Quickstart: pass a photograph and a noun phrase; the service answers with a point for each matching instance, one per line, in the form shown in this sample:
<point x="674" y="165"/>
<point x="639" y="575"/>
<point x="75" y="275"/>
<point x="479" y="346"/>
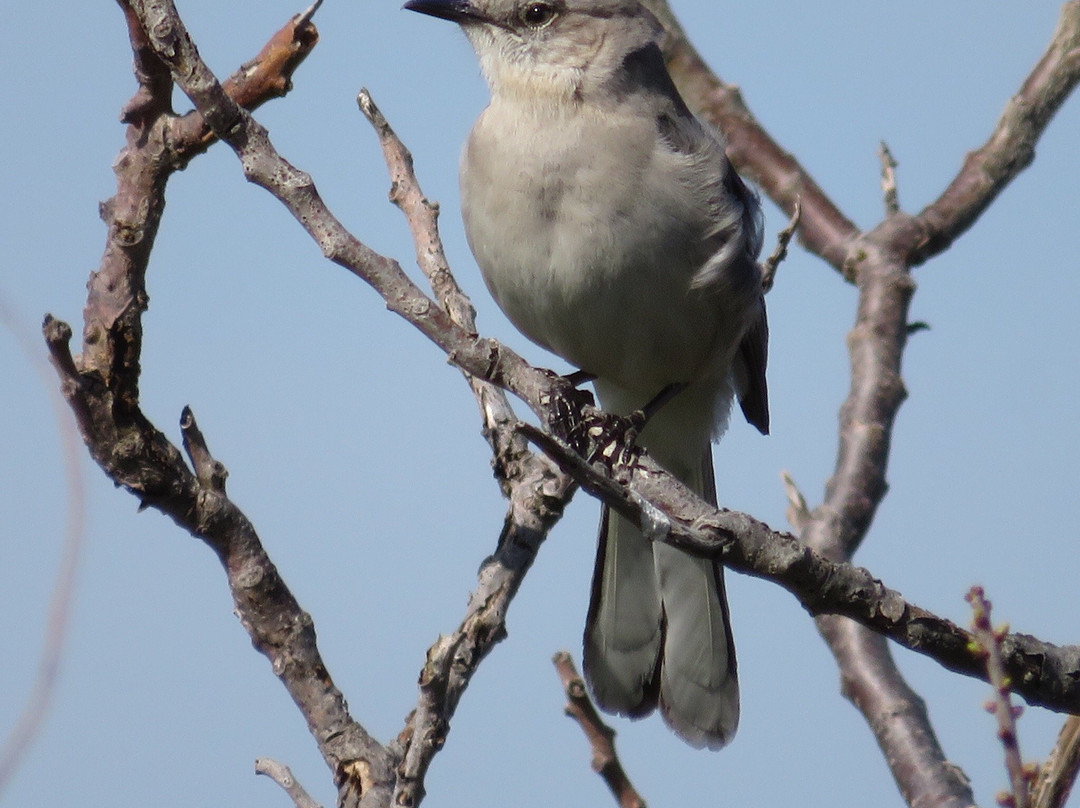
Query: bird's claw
<point x="568" y="411"/>
<point x="610" y="439"/>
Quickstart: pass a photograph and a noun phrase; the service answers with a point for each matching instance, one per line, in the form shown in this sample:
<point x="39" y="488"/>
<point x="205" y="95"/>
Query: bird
<point x="612" y="230"/>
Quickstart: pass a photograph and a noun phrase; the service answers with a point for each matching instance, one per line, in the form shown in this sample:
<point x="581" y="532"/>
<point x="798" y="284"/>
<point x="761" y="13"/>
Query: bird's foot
<point x="611" y="439"/>
<point x="592" y="433"/>
<point x="597" y="435"/>
<point x="569" y="408"/>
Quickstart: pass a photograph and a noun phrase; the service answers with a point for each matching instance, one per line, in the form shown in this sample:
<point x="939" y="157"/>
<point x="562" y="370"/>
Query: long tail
<point x="658" y="633"/>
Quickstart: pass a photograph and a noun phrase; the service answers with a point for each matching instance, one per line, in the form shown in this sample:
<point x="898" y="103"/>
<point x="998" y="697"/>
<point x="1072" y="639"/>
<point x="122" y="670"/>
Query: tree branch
<point x="741" y="541"/>
<point x="536" y="489"/>
<point x="1010" y="149"/>
<point x="896" y="714"/>
<point x="605" y="761"/>
<point x="101" y="386"/>
<point x="1058" y="774"/>
<point x="642" y="491"/>
<point x="889" y="190"/>
<point x="870" y="678"/>
<point x="783" y="239"/>
<point x="283" y="776"/>
<point x="986" y="642"/>
<point x="877" y="261"/>
<point x="879" y="264"/>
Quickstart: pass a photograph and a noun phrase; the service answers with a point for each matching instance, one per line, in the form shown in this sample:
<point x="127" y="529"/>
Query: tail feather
<point x="699" y="690"/>
<point x="658" y="630"/>
<point x="624" y="629"/>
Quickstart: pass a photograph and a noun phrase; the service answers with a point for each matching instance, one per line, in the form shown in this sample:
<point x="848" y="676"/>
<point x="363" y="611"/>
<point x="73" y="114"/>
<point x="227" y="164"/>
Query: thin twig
<point x="798" y="514"/>
<point x="986" y="642"/>
<point x="1058" y="774"/>
<point x="601" y="737"/>
<point x="210" y="473"/>
<point x="888" y="180"/>
<point x="283" y="776"/>
<point x="783" y="239"/>
<point x="304" y="17"/>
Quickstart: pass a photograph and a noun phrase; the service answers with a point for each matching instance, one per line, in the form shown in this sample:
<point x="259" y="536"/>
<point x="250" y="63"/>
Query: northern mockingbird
<point x="612" y="230"/>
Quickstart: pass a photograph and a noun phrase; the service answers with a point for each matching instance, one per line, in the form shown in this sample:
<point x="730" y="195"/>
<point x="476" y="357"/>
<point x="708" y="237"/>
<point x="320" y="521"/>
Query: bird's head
<point x="548" y="47"/>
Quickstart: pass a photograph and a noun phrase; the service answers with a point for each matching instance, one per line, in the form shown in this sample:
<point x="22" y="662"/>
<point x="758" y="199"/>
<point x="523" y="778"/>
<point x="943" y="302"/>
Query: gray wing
<point x="736" y="233"/>
<point x="750" y="363"/>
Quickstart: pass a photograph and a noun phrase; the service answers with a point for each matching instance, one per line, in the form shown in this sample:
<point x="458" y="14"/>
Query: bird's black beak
<point x="453" y="10"/>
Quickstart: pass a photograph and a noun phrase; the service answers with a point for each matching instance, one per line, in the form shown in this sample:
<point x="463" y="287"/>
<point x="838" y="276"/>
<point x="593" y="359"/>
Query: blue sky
<point x="354" y="447"/>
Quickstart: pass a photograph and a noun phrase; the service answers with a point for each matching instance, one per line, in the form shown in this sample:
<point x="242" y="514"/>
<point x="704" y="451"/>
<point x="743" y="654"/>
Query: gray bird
<point x="612" y="230"/>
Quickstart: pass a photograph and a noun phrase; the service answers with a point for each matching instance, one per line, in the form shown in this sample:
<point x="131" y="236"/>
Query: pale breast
<point x="590" y="248"/>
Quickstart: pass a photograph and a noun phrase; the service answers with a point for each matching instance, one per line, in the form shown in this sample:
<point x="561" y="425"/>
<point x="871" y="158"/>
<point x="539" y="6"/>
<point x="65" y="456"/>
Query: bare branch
<point x="263" y="166"/>
<point x="1058" y="774"/>
<point x="267" y="76"/>
<point x="137" y="456"/>
<point x="797" y="511"/>
<point x="1043" y="674"/>
<point x="210" y="473"/>
<point x="537" y="490"/>
<point x="878" y="262"/>
<point x="836" y="528"/>
<point x="875" y="261"/>
<point x="986" y="642"/>
<point x="605" y="760"/>
<point x="421" y="214"/>
<point x="888" y="180"/>
<point x="305" y="16"/>
<point x="988" y="170"/>
<point x="783" y="239"/>
<point x="538" y="496"/>
<point x="283" y="776"/>
<point x="893" y="711"/>
<point x="101" y="386"/>
<point x="740" y="540"/>
<point x="896" y="715"/>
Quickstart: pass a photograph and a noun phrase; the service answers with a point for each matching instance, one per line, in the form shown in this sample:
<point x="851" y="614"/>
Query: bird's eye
<point x="537" y="15"/>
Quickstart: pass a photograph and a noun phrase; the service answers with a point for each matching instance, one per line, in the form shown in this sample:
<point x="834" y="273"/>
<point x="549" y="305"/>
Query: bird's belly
<point x="577" y="253"/>
<point x="633" y="319"/>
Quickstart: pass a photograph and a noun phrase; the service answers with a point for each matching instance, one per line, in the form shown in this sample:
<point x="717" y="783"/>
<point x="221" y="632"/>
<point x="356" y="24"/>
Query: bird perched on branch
<point x="611" y="228"/>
